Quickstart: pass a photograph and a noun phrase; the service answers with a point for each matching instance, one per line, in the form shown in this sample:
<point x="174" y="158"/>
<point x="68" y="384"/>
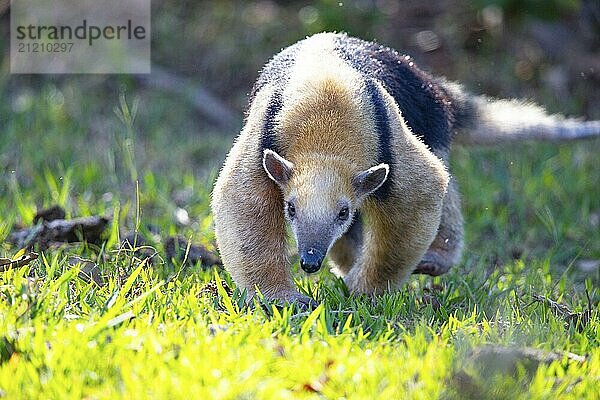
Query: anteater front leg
<point x="347" y="248"/>
<point x="250" y="227"/>
<point x="397" y="235"/>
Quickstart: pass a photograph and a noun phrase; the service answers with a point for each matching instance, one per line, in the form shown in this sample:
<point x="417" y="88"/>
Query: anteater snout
<point x="311" y="260"/>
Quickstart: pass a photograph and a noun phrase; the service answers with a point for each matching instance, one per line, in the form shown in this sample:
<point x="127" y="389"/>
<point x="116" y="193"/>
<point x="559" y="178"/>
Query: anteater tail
<point x="484" y="121"/>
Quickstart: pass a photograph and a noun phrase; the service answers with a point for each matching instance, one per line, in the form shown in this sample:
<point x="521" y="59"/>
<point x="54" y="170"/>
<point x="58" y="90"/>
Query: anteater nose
<point x="311" y="260"/>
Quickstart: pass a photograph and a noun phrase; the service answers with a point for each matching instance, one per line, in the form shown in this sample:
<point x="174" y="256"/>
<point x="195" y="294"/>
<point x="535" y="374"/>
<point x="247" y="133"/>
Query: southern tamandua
<point x="349" y="142"/>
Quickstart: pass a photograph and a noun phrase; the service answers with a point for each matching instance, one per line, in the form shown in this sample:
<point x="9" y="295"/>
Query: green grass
<point x="156" y="331"/>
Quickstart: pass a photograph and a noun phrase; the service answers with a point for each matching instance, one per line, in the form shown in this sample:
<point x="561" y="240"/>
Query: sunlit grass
<point x="156" y="331"/>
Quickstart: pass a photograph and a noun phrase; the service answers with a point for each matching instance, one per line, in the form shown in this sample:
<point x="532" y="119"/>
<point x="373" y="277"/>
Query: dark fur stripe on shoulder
<point x="426" y="106"/>
<point x="384" y="134"/>
<point x="267" y="139"/>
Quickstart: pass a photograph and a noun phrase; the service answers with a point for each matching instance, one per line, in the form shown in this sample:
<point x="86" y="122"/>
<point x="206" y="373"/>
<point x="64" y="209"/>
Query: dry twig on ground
<point x="7" y="263"/>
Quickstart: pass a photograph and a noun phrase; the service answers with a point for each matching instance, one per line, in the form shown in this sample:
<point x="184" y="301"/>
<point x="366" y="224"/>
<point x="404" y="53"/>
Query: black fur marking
<point x="426" y="107"/>
<point x="382" y="125"/>
<point x="276" y="72"/>
<point x="268" y="138"/>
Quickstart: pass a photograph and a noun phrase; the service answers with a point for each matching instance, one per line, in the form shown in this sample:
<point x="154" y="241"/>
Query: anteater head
<point x="321" y="195"/>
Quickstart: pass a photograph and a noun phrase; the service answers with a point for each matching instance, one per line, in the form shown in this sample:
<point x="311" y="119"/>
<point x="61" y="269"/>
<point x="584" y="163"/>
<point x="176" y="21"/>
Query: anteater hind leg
<point x="250" y="226"/>
<point x="446" y="248"/>
<point x="347" y="248"/>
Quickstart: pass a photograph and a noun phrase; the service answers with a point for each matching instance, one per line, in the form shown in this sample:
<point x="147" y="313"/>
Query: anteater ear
<point x="368" y="181"/>
<point x="278" y="168"/>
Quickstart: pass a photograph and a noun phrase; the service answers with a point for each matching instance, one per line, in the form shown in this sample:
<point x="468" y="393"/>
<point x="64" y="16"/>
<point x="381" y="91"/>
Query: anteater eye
<point x="291" y="210"/>
<point x="344" y="214"/>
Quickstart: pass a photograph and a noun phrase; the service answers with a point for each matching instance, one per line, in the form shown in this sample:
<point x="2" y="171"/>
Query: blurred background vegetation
<point x="547" y="51"/>
<point x="207" y="54"/>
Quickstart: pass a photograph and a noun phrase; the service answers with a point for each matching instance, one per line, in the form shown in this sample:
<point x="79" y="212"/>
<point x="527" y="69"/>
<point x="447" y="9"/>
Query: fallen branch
<point x="49" y="214"/>
<point x="577" y="319"/>
<point x="88" y="229"/>
<point x="555" y="307"/>
<point x="7" y="263"/>
<point x="178" y="248"/>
